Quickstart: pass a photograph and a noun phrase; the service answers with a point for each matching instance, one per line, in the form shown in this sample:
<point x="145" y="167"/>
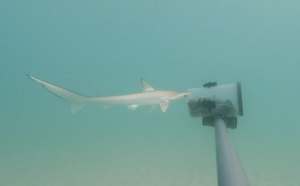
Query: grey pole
<point x="230" y="170"/>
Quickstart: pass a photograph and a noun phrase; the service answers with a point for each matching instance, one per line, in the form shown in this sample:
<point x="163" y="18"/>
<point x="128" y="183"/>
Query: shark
<point x="147" y="97"/>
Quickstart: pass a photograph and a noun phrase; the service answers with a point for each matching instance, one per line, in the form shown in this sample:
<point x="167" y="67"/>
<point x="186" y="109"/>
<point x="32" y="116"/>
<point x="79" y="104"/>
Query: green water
<point x="95" y="47"/>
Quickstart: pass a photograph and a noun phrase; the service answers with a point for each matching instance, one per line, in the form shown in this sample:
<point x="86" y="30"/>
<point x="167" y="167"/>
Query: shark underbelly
<point x="126" y="100"/>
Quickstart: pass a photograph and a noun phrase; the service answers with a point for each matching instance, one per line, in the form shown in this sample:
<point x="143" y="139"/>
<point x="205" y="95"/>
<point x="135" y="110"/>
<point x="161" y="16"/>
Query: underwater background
<point x="105" y="47"/>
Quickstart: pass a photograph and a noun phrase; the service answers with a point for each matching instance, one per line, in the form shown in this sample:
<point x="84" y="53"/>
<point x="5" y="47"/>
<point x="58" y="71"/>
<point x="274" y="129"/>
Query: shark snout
<point x="181" y="95"/>
<point x="188" y="93"/>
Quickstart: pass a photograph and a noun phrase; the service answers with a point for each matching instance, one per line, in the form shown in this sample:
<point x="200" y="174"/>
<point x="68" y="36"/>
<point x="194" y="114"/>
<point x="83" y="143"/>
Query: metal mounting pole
<point x="230" y="170"/>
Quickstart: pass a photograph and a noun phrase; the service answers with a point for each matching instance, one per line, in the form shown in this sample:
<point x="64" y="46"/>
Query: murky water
<point x="104" y="47"/>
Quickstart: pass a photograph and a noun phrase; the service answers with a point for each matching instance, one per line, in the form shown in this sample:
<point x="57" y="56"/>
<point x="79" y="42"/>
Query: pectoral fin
<point x="164" y="106"/>
<point x="153" y="108"/>
<point x="132" y="107"/>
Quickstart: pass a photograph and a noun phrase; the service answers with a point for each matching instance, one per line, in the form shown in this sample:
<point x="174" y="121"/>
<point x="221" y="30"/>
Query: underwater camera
<point x="216" y="100"/>
<point x="219" y="106"/>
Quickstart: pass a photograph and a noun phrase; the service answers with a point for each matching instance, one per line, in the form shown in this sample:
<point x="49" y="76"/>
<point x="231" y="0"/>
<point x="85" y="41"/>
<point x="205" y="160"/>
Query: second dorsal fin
<point x="146" y="86"/>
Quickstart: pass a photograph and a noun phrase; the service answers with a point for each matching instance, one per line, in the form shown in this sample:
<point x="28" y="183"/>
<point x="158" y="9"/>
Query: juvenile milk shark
<point x="148" y="96"/>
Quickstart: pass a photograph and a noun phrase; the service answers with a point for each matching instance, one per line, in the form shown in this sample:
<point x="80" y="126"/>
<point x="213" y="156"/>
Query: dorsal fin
<point x="146" y="86"/>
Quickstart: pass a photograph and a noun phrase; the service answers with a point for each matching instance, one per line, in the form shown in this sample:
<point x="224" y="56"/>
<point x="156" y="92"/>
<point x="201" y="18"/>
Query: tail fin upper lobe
<point x="77" y="100"/>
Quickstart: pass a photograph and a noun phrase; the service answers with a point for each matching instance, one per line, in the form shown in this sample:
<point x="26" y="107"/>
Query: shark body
<point x="148" y="96"/>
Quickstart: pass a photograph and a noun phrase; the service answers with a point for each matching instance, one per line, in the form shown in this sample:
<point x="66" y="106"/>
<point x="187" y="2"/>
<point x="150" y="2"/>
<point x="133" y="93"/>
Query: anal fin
<point x="132" y="107"/>
<point x="106" y="106"/>
<point x="76" y="106"/>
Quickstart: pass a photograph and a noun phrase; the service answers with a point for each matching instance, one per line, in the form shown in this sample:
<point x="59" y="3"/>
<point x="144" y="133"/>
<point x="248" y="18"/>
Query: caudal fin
<point x="77" y="100"/>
